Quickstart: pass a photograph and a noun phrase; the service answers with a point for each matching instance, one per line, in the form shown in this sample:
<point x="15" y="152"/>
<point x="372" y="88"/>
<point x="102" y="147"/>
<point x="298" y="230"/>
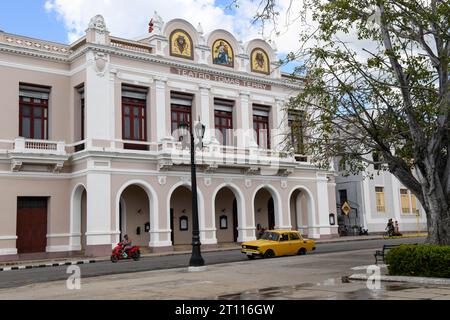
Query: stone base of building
<point x="39" y="256"/>
<point x="328" y="236"/>
<point x="98" y="250"/>
<point x="161" y="249"/>
<point x="9" y="258"/>
<point x="210" y="246"/>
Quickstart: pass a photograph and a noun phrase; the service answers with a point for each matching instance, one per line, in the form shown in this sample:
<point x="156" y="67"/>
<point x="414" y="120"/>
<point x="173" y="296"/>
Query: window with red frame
<point x="261" y="127"/>
<point x="223" y="121"/>
<point x="33" y="113"/>
<point x="181" y="112"/>
<point x="134" y="118"/>
<point x="82" y="115"/>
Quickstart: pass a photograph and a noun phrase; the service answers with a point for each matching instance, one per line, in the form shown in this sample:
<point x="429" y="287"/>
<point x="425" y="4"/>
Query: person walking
<point x="396" y="229"/>
<point x="390" y="228"/>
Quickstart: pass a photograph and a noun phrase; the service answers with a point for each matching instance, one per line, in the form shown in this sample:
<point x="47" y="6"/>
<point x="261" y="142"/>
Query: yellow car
<point x="278" y="243"/>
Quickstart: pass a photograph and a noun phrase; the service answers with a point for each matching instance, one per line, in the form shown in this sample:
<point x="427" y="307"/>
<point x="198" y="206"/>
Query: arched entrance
<point x="301" y="210"/>
<point x="226" y="216"/>
<point x="181" y="215"/>
<point x="134" y="215"/>
<point x="78" y="218"/>
<point x="264" y="210"/>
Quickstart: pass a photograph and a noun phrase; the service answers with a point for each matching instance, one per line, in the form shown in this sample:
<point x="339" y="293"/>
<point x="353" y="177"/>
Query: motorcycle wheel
<point x="114" y="258"/>
<point x="136" y="256"/>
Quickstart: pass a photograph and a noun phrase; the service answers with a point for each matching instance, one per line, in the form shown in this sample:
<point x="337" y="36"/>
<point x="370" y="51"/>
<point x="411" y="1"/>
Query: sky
<point x="65" y="21"/>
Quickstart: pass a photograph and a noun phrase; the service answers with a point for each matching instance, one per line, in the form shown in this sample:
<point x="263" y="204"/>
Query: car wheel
<point x="251" y="257"/>
<point x="269" y="254"/>
<point x="301" y="252"/>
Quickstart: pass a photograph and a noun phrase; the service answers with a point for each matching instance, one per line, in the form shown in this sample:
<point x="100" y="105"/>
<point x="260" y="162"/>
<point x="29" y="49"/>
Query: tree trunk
<point x="438" y="214"/>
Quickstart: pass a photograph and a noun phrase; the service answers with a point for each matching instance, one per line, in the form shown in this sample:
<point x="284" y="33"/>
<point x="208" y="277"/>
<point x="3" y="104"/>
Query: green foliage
<point x="385" y="91"/>
<point x="419" y="260"/>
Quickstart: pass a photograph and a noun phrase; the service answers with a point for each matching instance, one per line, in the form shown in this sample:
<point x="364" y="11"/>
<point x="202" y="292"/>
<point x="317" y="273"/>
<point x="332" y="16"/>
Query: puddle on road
<point x="265" y="293"/>
<point x="325" y="287"/>
<point x="272" y="292"/>
<point x="396" y="287"/>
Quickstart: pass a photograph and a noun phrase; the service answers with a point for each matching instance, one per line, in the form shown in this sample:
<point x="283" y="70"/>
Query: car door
<point x="295" y="241"/>
<point x="283" y="245"/>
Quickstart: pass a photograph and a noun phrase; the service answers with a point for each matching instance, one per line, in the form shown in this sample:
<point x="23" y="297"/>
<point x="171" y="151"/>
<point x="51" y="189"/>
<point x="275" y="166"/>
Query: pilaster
<point x="98" y="227"/>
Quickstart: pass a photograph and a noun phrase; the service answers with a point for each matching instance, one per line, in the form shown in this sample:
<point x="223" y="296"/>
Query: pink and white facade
<point x="87" y="148"/>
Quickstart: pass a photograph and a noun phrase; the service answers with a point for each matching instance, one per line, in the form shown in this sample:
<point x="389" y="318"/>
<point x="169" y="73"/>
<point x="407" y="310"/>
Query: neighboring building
<point x="374" y="201"/>
<point x="87" y="149"/>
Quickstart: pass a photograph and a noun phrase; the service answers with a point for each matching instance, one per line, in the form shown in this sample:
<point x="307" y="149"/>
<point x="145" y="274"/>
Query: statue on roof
<point x="98" y="23"/>
<point x="158" y="23"/>
<point x="201" y="34"/>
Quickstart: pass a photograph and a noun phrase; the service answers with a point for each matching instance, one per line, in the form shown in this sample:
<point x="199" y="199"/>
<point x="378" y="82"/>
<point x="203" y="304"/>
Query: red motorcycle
<point x="132" y="253"/>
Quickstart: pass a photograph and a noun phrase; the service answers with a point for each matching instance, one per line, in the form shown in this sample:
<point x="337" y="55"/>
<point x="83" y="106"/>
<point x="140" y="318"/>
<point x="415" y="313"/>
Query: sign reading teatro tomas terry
<point x="218" y="78"/>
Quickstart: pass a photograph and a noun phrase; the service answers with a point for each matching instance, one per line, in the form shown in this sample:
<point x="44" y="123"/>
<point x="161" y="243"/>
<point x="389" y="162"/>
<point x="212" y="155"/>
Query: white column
<point x="323" y="210"/>
<point x="112" y="102"/>
<point x="245" y="138"/>
<point x="161" y="129"/>
<point x="99" y="93"/>
<point x="205" y="114"/>
<point x="99" y="229"/>
<point x="363" y="213"/>
<point x="281" y="129"/>
<point x="159" y="234"/>
<point x="395" y="184"/>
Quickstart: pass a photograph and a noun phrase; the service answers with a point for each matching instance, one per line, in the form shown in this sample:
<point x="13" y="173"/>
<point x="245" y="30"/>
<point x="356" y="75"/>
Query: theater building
<point x="89" y="147"/>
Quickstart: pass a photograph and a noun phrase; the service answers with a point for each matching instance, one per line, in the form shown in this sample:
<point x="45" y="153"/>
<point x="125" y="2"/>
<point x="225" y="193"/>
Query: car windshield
<point x="270" y="236"/>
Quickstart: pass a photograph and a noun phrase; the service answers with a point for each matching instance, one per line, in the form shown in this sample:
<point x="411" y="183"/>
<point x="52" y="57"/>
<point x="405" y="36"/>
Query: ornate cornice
<point x="82" y="50"/>
<point x="34" y="53"/>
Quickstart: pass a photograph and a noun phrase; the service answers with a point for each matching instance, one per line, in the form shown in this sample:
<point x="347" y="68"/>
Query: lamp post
<point x="185" y="130"/>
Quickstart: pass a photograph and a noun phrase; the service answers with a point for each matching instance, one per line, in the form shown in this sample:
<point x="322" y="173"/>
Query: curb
<point x="417" y="280"/>
<point x="46" y="265"/>
<point x="175" y="253"/>
<point x="347" y="240"/>
<point x="370" y="238"/>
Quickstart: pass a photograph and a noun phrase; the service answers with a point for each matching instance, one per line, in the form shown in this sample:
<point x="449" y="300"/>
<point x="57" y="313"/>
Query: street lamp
<point x="196" y="257"/>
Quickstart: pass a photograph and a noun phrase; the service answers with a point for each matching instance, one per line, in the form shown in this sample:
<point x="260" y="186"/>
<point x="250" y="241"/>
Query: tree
<point x="391" y="98"/>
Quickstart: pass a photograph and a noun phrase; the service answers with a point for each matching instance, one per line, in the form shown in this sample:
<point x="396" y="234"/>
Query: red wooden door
<point x="31" y="225"/>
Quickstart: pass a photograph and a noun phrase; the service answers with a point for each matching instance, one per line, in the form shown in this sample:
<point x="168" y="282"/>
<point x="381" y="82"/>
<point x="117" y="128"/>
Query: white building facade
<point x="89" y="148"/>
<point x="375" y="200"/>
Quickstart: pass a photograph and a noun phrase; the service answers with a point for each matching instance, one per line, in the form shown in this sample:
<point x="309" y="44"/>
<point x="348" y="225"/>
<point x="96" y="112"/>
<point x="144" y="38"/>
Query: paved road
<point x="17" y="278"/>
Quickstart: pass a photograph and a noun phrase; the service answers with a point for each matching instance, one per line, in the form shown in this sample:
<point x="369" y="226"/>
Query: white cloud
<point x="129" y="19"/>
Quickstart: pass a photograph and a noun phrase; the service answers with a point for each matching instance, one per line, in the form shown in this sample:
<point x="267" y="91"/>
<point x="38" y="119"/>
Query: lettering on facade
<point x="217" y="78"/>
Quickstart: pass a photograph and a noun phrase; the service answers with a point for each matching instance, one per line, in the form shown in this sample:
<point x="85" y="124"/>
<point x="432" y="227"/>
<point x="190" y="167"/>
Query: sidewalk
<point x="20" y="265"/>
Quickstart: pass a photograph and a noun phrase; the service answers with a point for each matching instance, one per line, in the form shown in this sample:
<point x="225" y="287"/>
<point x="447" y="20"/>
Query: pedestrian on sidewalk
<point x="396" y="229"/>
<point x="390" y="229"/>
